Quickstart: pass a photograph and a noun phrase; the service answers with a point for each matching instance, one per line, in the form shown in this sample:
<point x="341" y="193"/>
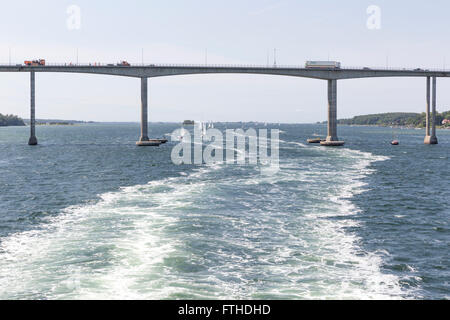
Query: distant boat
<point x="202" y="127"/>
<point x="315" y="140"/>
<point x="182" y="134"/>
<point x="188" y="122"/>
<point x="395" y="141"/>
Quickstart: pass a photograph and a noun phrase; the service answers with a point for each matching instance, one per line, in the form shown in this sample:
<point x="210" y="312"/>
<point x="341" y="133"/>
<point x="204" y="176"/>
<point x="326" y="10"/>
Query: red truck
<point x="124" y="64"/>
<point x="34" y="63"/>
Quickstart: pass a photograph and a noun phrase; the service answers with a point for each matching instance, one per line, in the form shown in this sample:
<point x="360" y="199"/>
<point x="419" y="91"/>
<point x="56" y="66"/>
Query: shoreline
<point x="393" y="127"/>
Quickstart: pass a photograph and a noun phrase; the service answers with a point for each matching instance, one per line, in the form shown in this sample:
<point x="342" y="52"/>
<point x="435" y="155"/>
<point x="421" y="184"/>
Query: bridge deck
<point x="172" y="70"/>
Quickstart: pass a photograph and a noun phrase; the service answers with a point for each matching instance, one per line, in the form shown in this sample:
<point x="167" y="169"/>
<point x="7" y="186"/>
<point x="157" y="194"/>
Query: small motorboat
<point x="315" y="140"/>
<point x="395" y="141"/>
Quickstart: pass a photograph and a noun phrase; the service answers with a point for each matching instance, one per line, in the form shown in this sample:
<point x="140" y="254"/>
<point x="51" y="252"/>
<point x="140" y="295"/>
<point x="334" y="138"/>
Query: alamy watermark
<point x="374" y="20"/>
<point x="235" y="146"/>
<point x="73" y="21"/>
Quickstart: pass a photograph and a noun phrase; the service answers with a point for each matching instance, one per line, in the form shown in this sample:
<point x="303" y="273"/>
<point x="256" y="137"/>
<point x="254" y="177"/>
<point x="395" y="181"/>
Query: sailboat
<point x="182" y="134"/>
<point x="203" y="129"/>
<point x="395" y="141"/>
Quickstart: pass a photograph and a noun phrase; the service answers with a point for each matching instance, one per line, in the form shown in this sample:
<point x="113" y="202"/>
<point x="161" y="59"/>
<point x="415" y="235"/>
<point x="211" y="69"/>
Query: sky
<point x="411" y="34"/>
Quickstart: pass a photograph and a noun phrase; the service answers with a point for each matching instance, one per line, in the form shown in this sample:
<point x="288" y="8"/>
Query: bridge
<point x="151" y="71"/>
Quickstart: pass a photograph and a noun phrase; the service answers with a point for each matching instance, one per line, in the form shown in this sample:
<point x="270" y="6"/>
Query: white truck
<point x="322" y="65"/>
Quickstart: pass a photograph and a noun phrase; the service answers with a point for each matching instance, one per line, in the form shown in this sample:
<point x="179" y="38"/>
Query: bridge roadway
<point x="150" y="71"/>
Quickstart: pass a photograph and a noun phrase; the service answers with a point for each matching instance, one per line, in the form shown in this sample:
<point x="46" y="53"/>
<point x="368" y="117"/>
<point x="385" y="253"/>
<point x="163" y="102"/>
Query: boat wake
<point x="217" y="232"/>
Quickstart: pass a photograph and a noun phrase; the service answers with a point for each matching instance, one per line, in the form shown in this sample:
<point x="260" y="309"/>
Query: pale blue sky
<point x="413" y="34"/>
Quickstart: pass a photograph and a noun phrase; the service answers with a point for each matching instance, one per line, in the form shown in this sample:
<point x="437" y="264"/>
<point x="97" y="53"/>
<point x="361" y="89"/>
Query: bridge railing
<point x="237" y="66"/>
<point x="395" y="68"/>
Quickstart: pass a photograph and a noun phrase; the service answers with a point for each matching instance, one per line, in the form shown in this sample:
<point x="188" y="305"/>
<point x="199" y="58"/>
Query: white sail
<point x="182" y="134"/>
<point x="203" y="129"/>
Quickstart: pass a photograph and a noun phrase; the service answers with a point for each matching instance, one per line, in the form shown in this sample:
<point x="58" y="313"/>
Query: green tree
<point x="10" y="120"/>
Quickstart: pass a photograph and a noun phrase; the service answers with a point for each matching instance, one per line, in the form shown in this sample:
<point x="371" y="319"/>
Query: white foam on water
<point x="330" y="264"/>
<point x="361" y="278"/>
<point x="129" y="245"/>
<point x="298" y="144"/>
<point x="97" y="251"/>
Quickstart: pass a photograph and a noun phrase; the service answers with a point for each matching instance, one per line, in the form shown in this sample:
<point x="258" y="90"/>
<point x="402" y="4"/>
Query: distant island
<point x="55" y="122"/>
<point x="10" y="120"/>
<point x="397" y="119"/>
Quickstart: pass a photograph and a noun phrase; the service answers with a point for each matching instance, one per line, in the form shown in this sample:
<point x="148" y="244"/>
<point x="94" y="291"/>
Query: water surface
<point x="87" y="214"/>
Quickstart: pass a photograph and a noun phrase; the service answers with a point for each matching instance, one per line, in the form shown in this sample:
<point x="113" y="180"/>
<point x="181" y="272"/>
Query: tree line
<point x="395" y="119"/>
<point x="10" y="120"/>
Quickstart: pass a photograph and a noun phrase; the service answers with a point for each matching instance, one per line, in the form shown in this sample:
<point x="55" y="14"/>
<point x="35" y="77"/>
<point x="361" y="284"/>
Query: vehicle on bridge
<point x="124" y="64"/>
<point x="323" y="65"/>
<point x="34" y="63"/>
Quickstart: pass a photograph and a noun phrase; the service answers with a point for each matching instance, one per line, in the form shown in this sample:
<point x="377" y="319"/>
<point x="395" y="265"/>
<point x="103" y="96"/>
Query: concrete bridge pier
<point x="144" y="139"/>
<point x="332" y="139"/>
<point x="427" y="130"/>
<point x="33" y="140"/>
<point x="431" y="139"/>
<point x="144" y="110"/>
